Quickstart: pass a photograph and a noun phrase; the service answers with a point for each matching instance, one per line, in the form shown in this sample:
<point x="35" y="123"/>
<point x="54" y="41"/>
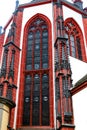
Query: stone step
<point x="29" y="128"/>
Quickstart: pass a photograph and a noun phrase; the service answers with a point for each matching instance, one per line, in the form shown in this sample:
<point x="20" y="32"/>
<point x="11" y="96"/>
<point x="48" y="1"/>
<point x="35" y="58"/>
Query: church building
<point x="43" y="53"/>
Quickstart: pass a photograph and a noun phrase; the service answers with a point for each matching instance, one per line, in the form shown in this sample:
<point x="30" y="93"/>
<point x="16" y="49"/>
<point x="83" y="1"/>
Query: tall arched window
<point x="73" y="34"/>
<point x="36" y="89"/>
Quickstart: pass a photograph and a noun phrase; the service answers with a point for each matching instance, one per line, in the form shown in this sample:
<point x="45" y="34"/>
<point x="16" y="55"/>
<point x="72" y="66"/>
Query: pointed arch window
<point x="36" y="89"/>
<point x="74" y="39"/>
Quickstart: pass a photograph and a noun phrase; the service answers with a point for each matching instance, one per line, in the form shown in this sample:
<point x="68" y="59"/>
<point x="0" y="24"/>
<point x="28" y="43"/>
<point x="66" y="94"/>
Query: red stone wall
<point x="17" y="18"/>
<point x="85" y="30"/>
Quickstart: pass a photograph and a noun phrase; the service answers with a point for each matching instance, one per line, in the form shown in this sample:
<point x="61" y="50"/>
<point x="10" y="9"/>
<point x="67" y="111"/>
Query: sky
<point x="7" y="7"/>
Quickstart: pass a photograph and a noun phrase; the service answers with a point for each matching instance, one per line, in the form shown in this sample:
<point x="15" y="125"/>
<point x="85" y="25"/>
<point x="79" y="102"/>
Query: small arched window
<point x="74" y="39"/>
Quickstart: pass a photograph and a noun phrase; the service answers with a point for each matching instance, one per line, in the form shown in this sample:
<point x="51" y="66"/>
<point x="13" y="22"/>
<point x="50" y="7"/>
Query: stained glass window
<point x="73" y="42"/>
<point x="36" y="89"/>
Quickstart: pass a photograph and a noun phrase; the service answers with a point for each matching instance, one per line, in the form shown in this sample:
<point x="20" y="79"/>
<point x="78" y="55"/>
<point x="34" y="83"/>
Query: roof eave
<point x="73" y="7"/>
<point x="80" y="85"/>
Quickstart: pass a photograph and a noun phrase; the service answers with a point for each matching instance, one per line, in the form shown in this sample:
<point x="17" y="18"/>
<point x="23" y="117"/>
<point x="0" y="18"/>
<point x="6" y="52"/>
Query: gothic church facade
<point x="36" y="75"/>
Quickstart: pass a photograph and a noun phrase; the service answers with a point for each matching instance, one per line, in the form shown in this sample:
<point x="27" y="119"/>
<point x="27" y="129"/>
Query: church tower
<point x="36" y="75"/>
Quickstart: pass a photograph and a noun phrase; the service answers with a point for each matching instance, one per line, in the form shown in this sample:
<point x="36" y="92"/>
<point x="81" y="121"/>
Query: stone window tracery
<point x="74" y="37"/>
<point x="36" y="89"/>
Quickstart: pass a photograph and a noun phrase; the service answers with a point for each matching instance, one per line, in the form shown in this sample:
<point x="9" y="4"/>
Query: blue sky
<point x="7" y="7"/>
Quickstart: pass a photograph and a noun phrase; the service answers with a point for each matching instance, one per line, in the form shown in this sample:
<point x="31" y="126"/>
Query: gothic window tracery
<point x="36" y="89"/>
<point x="74" y="39"/>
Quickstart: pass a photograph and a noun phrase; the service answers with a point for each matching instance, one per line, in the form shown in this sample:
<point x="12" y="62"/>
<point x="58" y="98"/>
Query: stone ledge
<point x="7" y="102"/>
<point x="29" y="128"/>
<point x="66" y="126"/>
